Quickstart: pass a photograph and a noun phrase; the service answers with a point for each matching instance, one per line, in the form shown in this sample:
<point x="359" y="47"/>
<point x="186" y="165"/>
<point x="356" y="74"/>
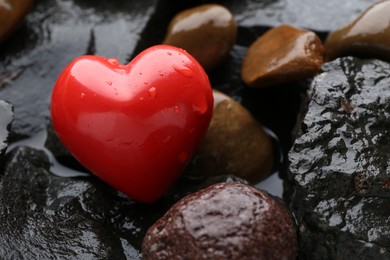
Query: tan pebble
<point x="12" y="13"/>
<point x="207" y="32"/>
<point x="282" y="54"/>
<point x="367" y="36"/>
<point x="235" y="144"/>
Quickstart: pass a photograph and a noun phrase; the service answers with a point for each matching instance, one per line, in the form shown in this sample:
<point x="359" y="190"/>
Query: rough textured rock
<point x="224" y="221"/>
<point x="72" y="218"/>
<point x="235" y="144"/>
<point x="207" y="32"/>
<point x="283" y="54"/>
<point x="6" y="117"/>
<point x="340" y="166"/>
<point x="366" y="36"/>
<point x="12" y="13"/>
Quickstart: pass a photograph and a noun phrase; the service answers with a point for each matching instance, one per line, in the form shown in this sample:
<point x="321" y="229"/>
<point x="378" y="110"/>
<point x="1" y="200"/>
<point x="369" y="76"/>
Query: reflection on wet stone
<point x="6" y="117"/>
<point x="340" y="163"/>
<point x="366" y="36"/>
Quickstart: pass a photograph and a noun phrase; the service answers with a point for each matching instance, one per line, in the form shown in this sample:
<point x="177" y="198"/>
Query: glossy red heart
<point x="134" y="126"/>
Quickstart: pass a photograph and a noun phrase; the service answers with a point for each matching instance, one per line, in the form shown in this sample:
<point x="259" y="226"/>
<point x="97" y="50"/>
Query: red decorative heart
<point x="134" y="126"/>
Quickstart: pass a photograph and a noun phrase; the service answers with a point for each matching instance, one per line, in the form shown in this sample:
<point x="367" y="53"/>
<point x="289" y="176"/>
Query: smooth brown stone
<point x="368" y="36"/>
<point x="12" y="13"/>
<point x="228" y="220"/>
<point x="235" y="144"/>
<point x="282" y="54"/>
<point x="207" y="32"/>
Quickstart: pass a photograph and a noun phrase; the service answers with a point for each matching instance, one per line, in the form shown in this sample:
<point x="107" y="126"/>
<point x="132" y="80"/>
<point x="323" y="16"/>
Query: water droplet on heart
<point x="183" y="70"/>
<point x="183" y="156"/>
<point x="167" y="139"/>
<point x="140" y="73"/>
<point x="176" y="109"/>
<point x="109" y="83"/>
<point x="152" y="92"/>
<point x="161" y="74"/>
<point x="169" y="53"/>
<point x="113" y="61"/>
<point x="142" y="98"/>
<point x="199" y="105"/>
<point x="82" y="95"/>
<point x="146" y="83"/>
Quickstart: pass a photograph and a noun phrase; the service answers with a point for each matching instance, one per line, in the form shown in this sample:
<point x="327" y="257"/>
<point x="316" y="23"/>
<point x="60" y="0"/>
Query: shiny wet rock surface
<point x="226" y="221"/>
<point x="6" y="117"/>
<point x="366" y="36"/>
<point x="340" y="163"/>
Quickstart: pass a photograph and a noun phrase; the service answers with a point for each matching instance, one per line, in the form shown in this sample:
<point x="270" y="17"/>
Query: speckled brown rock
<point x="282" y="54"/>
<point x="12" y="13"/>
<point x="367" y="36"/>
<point x="228" y="220"/>
<point x="207" y="32"/>
<point x="235" y="144"/>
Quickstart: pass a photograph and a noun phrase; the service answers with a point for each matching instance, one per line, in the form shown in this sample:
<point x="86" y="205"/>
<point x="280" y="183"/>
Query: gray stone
<point x="340" y="163"/>
<point x="6" y="117"/>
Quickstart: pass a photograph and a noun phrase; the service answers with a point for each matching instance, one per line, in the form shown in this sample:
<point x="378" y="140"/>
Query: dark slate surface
<point x="340" y="163"/>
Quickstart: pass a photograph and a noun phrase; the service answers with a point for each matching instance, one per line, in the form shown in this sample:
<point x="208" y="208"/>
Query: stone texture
<point x="235" y="144"/>
<point x="6" y="117"/>
<point x="283" y="54"/>
<point x="12" y="13"/>
<point x="207" y="32"/>
<point x="367" y="36"/>
<point x="340" y="166"/>
<point x="316" y="16"/>
<point x="43" y="216"/>
<point x="224" y="221"/>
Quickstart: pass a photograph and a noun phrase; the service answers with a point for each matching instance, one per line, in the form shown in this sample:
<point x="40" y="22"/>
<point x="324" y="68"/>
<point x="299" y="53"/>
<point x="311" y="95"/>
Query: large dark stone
<point x="6" y="117"/>
<point x="340" y="163"/>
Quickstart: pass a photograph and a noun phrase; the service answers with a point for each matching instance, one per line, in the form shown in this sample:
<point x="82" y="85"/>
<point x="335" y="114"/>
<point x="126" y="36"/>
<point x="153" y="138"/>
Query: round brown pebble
<point x="12" y="13"/>
<point x="228" y="220"/>
<point x="282" y="54"/>
<point x="235" y="144"/>
<point x="367" y="36"/>
<point x="207" y="32"/>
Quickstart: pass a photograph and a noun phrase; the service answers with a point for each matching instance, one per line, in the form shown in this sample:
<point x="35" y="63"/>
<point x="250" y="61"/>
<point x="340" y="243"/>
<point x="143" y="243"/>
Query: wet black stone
<point x="6" y="117"/>
<point x="43" y="216"/>
<point x="340" y="163"/>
